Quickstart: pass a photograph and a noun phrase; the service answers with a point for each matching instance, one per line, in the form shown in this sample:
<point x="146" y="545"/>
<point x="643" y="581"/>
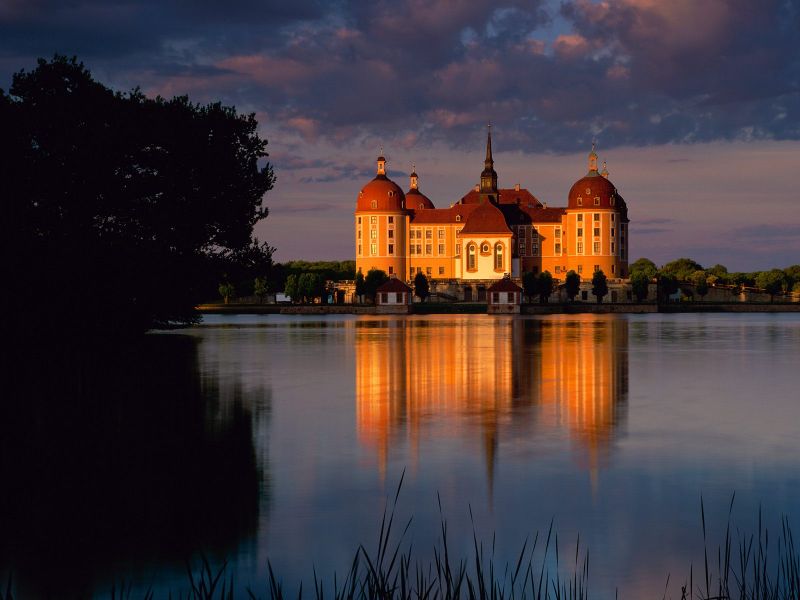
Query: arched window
<point x="374" y="204"/>
<point x="498" y="257"/>
<point x="471" y="257"/>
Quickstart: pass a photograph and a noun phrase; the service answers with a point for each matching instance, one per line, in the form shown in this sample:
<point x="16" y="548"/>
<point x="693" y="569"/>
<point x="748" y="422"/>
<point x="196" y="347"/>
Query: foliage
<point x="599" y="285"/>
<point x="291" y="288"/>
<point x="227" y="291"/>
<point x="122" y="202"/>
<point x="700" y="280"/>
<point x="361" y="287"/>
<point x="682" y="268"/>
<point x="645" y="266"/>
<point x="310" y="286"/>
<point x="640" y="283"/>
<point x="328" y="270"/>
<point x="530" y="285"/>
<point x="771" y="282"/>
<point x="544" y="286"/>
<point x="572" y="285"/>
<point x="667" y="285"/>
<point x="719" y="271"/>
<point x="375" y="278"/>
<point x="421" y="286"/>
<point x="261" y="287"/>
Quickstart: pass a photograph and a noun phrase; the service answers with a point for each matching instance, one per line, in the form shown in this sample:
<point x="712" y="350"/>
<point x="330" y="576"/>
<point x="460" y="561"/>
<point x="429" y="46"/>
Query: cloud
<point x="649" y="230"/>
<point x="655" y="221"/>
<point x="770" y="232"/>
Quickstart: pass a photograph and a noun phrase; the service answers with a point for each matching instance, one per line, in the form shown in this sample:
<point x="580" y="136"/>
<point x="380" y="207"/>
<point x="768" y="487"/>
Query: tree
<point x="375" y="278"/>
<point x="291" y="288"/>
<point x="261" y="288"/>
<point x="599" y="285"/>
<point x="361" y="287"/>
<point x="771" y="282"/>
<point x="682" y="268"/>
<point x="645" y="266"/>
<point x="667" y="286"/>
<point x="227" y="291"/>
<point x="310" y="286"/>
<point x="640" y="283"/>
<point x="530" y="285"/>
<point x="572" y="284"/>
<point x="700" y="280"/>
<point x="421" y="286"/>
<point x="120" y="201"/>
<point x="544" y="286"/>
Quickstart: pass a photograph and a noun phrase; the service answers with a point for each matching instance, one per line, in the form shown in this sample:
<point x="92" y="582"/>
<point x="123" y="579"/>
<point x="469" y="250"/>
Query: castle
<point x="491" y="232"/>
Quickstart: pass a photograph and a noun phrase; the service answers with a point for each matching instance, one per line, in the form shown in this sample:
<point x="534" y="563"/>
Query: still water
<point x="279" y="438"/>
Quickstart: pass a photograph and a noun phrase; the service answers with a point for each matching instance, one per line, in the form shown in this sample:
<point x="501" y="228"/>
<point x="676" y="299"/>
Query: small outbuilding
<point x="394" y="297"/>
<point x="504" y="297"/>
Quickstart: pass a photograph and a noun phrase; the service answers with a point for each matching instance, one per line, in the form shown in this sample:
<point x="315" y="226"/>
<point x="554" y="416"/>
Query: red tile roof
<point x="486" y="218"/>
<point x="504" y="285"/>
<point x="506" y="196"/>
<point x="443" y="215"/>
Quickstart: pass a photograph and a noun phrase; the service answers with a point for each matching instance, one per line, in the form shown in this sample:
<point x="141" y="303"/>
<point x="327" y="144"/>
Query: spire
<point x="593" y="158"/>
<point x="381" y="164"/>
<point x="414" y="178"/>
<point x="604" y="172"/>
<point x="489" y="162"/>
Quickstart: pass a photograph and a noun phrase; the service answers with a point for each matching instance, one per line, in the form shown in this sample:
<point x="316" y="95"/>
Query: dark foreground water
<point x="279" y="438"/>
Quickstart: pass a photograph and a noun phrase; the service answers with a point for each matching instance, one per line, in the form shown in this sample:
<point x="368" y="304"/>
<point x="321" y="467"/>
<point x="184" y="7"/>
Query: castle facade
<point x="491" y="232"/>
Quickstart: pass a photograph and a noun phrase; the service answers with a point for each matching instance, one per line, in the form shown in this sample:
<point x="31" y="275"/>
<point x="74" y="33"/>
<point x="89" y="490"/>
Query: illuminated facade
<point x="491" y="231"/>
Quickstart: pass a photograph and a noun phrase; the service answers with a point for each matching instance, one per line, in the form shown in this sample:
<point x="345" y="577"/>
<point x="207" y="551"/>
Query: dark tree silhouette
<point x="599" y="285"/>
<point x="421" y="287"/>
<point x="530" y="285"/>
<point x="121" y="202"/>
<point x="572" y="285"/>
<point x="544" y="286"/>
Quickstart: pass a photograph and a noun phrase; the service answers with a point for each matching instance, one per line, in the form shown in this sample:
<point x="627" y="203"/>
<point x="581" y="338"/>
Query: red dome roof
<point x="590" y="187"/>
<point x="417" y="200"/>
<point x="381" y="194"/>
<point x="487" y="218"/>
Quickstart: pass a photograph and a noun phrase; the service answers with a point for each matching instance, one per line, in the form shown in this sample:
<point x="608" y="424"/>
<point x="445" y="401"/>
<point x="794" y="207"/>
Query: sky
<point x="695" y="105"/>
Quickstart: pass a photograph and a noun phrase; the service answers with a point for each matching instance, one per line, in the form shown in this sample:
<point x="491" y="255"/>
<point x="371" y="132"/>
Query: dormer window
<point x="391" y="194"/>
<point x="597" y="200"/>
<point x="458" y="217"/>
<point x="580" y="201"/>
<point x="374" y="204"/>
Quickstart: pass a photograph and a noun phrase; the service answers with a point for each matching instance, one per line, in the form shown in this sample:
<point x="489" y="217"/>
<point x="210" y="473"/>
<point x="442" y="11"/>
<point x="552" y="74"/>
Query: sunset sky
<point x="694" y="104"/>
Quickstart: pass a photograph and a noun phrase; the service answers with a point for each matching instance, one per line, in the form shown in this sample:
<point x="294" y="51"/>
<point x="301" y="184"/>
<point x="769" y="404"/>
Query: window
<point x="597" y="200"/>
<point x="498" y="257"/>
<point x="399" y="296"/>
<point x="580" y="247"/>
<point x="584" y="295"/>
<point x="373" y="220"/>
<point x="359" y="249"/>
<point x="373" y="234"/>
<point x="384" y="298"/>
<point x="428" y="271"/>
<point x="391" y="234"/>
<point x="580" y="201"/>
<point x="458" y="249"/>
<point x="359" y="220"/>
<point x="596" y="268"/>
<point x="613" y="231"/>
<point x="580" y="269"/>
<point x="558" y="234"/>
<point x="428" y="234"/>
<point x="596" y="232"/>
<point x="419" y="269"/>
<point x="440" y="233"/>
<point x="441" y="270"/>
<point x="391" y="248"/>
<point x="613" y="200"/>
<point x="411" y="249"/>
<point x="495" y="297"/>
<point x="580" y="218"/>
<point x="558" y="270"/>
<point x="612" y="247"/>
<point x="458" y="217"/>
<point x="596" y="247"/>
<point x="373" y="204"/>
<point x="580" y="231"/>
<point x="391" y="219"/>
<point x="511" y="297"/>
<point x="613" y="217"/>
<point x="373" y="249"/>
<point x="428" y="248"/>
<point x="471" y="257"/>
<point x="441" y="249"/>
<point x="359" y="234"/>
<point x="558" y="248"/>
<point x="596" y="216"/>
<point x="613" y="269"/>
<point x="485" y="248"/>
<point x="419" y="249"/>
<point x="522" y="247"/>
<point x="391" y="269"/>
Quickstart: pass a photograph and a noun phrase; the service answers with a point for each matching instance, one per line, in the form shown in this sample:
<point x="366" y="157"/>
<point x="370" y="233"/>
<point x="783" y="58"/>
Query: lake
<point x="280" y="438"/>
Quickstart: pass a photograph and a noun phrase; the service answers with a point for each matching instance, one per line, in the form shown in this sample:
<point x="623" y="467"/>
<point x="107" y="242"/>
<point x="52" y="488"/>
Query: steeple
<point x="488" y="188"/>
<point x="381" y="164"/>
<point x="414" y="178"/>
<point x="593" y="160"/>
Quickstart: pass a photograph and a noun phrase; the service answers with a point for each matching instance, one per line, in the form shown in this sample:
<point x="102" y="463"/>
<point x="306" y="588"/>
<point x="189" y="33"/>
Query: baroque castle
<point x="491" y="232"/>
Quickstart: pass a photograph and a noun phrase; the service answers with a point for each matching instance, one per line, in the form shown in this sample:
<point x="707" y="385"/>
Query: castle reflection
<point x="489" y="380"/>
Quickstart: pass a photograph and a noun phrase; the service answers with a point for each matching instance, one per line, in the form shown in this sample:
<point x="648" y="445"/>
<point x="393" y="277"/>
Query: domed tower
<point x="381" y="225"/>
<point x="597" y="225"/>
<point x="416" y="200"/>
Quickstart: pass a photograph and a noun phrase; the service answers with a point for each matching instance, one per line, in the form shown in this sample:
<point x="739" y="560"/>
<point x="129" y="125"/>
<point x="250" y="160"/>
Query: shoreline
<point x="480" y="308"/>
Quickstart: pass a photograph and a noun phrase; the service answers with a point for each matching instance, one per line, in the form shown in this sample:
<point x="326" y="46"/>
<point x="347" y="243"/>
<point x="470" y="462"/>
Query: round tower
<point x="381" y="225"/>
